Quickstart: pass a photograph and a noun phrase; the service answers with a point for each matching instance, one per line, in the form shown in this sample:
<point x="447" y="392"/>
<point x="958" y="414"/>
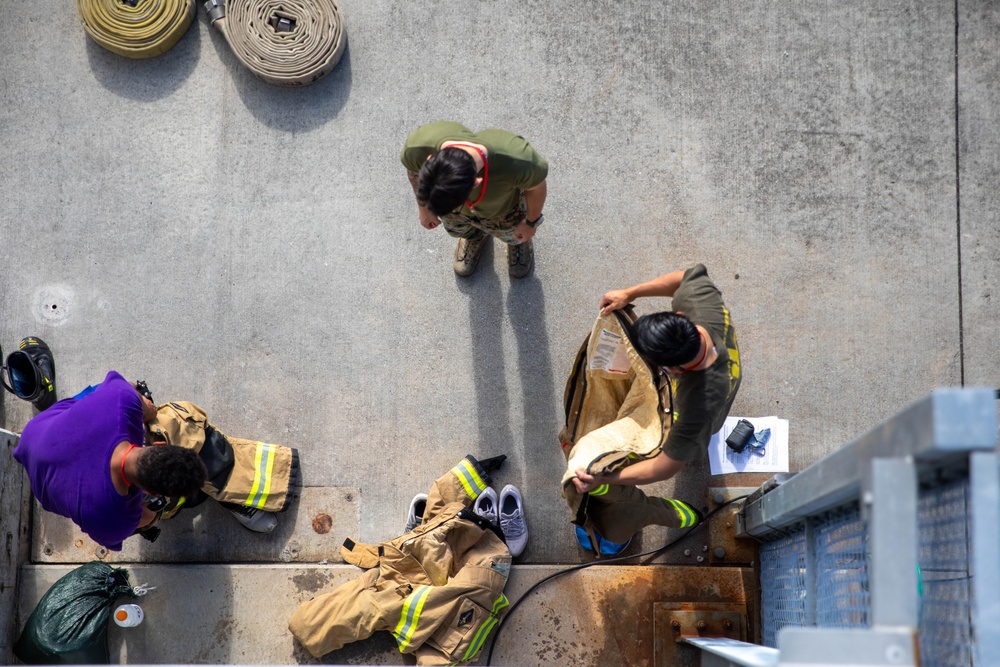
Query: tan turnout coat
<point x="618" y="412"/>
<point x="438" y="589"/>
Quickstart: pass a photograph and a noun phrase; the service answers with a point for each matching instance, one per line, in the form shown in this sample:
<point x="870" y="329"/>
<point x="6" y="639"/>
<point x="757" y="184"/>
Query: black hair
<point x="169" y="470"/>
<point x="446" y="180"/>
<point x="666" y="339"/>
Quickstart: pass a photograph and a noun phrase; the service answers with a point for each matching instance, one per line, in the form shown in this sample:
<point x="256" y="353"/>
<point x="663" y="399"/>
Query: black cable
<point x="604" y="561"/>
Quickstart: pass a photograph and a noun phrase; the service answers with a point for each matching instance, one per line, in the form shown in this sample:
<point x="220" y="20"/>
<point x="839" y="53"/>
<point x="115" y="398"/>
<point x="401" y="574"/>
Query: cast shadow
<point x="288" y="108"/>
<point x="147" y="79"/>
<point x="526" y="310"/>
<point x="486" y="325"/>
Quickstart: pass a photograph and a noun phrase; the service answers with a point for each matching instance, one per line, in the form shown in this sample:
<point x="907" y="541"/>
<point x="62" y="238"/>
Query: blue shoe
<point x="609" y="548"/>
<point x="583" y="538"/>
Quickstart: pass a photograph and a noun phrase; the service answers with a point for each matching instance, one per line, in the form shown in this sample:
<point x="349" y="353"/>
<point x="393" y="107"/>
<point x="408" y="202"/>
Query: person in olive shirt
<point x="695" y="345"/>
<point x="478" y="185"/>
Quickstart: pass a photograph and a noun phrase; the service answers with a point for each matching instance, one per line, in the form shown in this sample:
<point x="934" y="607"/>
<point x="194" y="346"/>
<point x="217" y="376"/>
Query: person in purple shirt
<point x="84" y="461"/>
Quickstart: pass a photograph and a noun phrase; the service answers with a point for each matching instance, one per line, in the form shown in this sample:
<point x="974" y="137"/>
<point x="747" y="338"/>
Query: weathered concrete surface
<point x="256" y="250"/>
<point x="310" y="531"/>
<point x="600" y="616"/>
<point x="979" y="172"/>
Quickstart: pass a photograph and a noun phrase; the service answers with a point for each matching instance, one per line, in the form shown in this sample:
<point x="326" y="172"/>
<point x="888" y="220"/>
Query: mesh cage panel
<point x="782" y="584"/>
<point x="841" y="570"/>
<point x="946" y="600"/>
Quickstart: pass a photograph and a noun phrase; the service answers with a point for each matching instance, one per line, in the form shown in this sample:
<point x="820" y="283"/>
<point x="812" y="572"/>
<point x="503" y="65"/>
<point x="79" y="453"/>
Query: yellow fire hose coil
<point x="136" y="28"/>
<point x="284" y="42"/>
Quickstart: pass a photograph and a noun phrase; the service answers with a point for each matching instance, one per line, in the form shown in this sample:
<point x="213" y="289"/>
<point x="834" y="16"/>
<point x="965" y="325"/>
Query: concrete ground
<point x="256" y="250"/>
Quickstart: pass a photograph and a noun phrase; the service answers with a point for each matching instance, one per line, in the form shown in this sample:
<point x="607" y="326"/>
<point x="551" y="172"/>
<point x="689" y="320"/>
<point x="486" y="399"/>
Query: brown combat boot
<point x="467" y="254"/>
<point x="519" y="259"/>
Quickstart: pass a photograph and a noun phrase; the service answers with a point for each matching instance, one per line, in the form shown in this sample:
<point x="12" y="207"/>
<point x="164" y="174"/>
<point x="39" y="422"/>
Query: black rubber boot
<point x="492" y="464"/>
<point x="42" y="375"/>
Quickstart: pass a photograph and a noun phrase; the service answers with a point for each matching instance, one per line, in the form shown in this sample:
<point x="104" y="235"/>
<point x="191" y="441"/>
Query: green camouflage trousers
<point x="473" y="227"/>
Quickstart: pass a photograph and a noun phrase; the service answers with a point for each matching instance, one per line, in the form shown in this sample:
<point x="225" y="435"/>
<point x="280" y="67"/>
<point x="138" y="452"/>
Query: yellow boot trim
<point x="688" y="517"/>
<point x="263" y="469"/>
<point x="470" y="479"/>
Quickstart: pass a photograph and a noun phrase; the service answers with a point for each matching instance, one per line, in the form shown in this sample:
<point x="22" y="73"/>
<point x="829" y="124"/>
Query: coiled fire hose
<point x="284" y="42"/>
<point x="136" y="28"/>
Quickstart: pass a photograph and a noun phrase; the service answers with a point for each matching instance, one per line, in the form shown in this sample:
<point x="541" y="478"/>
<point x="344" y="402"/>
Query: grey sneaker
<point x="467" y="254"/>
<point x="512" y="523"/>
<point x="520" y="257"/>
<point x="486" y="505"/>
<point x="254" y="519"/>
<point x="415" y="516"/>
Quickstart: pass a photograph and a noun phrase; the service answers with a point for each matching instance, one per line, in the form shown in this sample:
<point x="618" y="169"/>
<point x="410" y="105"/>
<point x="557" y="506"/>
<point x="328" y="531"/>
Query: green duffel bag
<point x="70" y="623"/>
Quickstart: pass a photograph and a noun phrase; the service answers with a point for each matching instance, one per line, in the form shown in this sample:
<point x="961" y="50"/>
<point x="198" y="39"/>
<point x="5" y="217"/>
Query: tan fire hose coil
<point x="284" y="42"/>
<point x="147" y="29"/>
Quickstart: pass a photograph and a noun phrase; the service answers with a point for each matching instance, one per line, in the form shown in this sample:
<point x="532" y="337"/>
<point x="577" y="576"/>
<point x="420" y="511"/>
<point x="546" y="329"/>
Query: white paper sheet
<point x="775" y="455"/>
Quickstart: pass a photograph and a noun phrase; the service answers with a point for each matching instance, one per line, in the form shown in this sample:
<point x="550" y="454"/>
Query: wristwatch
<point x="534" y="224"/>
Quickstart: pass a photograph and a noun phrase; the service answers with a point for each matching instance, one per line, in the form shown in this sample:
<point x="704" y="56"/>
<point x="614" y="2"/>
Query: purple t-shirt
<point x="67" y="449"/>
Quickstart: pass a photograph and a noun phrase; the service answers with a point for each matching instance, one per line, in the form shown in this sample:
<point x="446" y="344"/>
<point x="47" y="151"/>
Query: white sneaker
<point x="254" y="519"/>
<point x="512" y="523"/>
<point x="486" y="505"/>
<point x="416" y="514"/>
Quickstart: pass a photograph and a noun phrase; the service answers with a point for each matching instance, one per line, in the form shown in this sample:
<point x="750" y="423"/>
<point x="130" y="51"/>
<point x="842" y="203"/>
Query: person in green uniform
<point x="478" y="185"/>
<point x="695" y="345"/>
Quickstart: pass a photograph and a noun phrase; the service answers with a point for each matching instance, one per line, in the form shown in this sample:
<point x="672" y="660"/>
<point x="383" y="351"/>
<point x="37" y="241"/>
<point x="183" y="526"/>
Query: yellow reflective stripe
<point x="734" y="353"/>
<point x="600" y="491"/>
<point x="256" y="477"/>
<point x="485" y="628"/>
<point x="688" y="517"/>
<point x="674" y="416"/>
<point x="263" y="469"/>
<point x="410" y="616"/>
<point x="470" y="479"/>
<point x="269" y="474"/>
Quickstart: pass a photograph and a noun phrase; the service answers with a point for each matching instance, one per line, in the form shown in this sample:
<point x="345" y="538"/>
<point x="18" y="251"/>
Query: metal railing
<point x="886" y="552"/>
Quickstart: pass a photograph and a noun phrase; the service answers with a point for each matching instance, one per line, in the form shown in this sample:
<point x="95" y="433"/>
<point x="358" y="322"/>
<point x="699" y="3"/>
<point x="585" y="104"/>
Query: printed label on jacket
<point x="610" y="354"/>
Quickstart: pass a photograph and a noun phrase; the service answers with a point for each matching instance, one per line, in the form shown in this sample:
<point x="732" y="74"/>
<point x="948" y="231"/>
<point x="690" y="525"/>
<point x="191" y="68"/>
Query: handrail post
<point x="890" y="503"/>
<point x="984" y="478"/>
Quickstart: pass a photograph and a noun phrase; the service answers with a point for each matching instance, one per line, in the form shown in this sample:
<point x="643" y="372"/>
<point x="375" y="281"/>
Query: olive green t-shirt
<point x="702" y="399"/>
<point x="514" y="165"/>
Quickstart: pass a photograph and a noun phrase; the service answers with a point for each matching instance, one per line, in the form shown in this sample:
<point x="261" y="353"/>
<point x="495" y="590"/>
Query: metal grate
<point x="841" y="570"/>
<point x="946" y="609"/>
<point x="783" y="584"/>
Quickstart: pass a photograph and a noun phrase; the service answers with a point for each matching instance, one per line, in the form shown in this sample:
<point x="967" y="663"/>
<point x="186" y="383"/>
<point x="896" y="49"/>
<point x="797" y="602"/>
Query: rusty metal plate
<point x="674" y="621"/>
<point x="604" y="616"/>
<point x="310" y="531"/>
<point x="722" y="545"/>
